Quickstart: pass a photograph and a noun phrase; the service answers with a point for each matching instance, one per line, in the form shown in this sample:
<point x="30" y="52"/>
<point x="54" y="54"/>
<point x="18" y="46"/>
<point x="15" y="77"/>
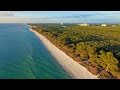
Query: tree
<point x="82" y="50"/>
<point x="108" y="61"/>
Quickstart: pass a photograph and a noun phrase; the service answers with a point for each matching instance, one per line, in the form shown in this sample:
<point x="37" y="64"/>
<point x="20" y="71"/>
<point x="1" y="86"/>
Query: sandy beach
<point x="75" y="69"/>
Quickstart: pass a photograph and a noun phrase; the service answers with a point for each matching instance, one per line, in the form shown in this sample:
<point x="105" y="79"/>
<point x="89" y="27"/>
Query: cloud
<point x="59" y="16"/>
<point x="6" y="13"/>
<point x="74" y="15"/>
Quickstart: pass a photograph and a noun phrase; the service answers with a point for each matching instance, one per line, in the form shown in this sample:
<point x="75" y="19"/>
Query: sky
<point x="59" y="16"/>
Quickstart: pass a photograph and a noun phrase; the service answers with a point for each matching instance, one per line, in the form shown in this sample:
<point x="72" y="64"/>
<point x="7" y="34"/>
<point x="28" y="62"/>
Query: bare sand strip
<point x="71" y="66"/>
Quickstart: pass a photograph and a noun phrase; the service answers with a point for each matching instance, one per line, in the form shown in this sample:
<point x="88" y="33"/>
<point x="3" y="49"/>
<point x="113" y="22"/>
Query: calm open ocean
<point x="23" y="56"/>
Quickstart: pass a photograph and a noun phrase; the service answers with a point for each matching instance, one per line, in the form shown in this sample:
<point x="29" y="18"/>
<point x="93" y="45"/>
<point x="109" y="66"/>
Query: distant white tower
<point x="61" y="23"/>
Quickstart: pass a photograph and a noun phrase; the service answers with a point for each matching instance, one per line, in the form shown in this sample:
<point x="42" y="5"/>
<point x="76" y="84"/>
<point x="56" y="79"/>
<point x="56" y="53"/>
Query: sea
<point x="23" y="56"/>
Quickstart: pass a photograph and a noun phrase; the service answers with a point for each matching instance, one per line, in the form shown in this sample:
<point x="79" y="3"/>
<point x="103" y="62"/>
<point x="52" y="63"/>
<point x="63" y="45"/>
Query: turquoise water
<point x="23" y="56"/>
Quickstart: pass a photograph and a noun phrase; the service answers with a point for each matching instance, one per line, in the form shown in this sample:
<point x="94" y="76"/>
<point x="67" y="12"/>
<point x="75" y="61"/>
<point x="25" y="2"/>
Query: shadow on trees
<point x="112" y="48"/>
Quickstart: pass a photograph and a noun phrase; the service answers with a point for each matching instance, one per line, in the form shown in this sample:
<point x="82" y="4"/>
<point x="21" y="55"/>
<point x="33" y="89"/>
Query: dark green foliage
<point x="99" y="45"/>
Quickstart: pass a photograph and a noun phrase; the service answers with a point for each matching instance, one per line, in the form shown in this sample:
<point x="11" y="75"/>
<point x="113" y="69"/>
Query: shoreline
<point x="75" y="69"/>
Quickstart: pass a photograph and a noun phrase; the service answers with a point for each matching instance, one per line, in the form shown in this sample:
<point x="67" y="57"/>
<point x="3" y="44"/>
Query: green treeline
<point x="96" y="48"/>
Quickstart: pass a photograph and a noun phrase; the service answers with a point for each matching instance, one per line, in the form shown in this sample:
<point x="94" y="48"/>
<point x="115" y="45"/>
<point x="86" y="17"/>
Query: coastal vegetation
<point x="95" y="47"/>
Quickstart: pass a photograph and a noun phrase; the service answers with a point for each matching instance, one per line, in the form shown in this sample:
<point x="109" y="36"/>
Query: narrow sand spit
<point x="71" y="66"/>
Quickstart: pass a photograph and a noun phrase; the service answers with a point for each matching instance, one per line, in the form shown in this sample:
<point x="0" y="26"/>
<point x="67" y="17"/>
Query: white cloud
<point x="59" y="16"/>
<point x="6" y="13"/>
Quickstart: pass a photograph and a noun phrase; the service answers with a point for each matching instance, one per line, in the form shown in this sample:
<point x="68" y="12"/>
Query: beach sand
<point x="72" y="67"/>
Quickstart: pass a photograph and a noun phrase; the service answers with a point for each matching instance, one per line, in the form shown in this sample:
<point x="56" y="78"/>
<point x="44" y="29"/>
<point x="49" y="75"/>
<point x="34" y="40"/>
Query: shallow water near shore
<point x="23" y="56"/>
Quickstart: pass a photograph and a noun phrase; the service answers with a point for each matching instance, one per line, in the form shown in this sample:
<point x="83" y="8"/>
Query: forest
<point x="95" y="47"/>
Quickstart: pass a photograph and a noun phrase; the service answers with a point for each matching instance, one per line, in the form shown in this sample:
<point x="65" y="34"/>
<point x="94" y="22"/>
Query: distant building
<point x="84" y="24"/>
<point x="64" y="26"/>
<point x="113" y="25"/>
<point x="33" y="26"/>
<point x="61" y="23"/>
<point x="104" y="25"/>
